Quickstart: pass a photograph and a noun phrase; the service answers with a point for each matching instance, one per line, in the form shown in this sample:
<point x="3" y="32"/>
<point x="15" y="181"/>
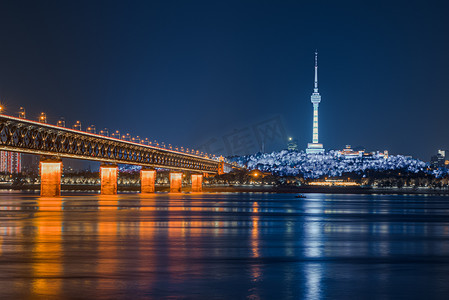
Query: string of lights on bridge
<point x="125" y="137"/>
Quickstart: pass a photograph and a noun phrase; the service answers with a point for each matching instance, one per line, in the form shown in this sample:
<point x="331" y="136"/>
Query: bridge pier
<point x="175" y="182"/>
<point x="108" y="179"/>
<point x="221" y="168"/>
<point x="147" y="181"/>
<point x="50" y="171"/>
<point x="197" y="182"/>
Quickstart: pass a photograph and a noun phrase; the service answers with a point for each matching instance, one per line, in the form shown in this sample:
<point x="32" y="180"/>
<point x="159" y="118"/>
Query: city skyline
<point x="177" y="149"/>
<point x="242" y="69"/>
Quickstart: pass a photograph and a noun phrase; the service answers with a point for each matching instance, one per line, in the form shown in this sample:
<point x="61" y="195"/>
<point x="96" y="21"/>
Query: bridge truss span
<point x="25" y="136"/>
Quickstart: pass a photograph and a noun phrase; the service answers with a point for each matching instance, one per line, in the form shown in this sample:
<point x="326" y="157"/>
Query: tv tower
<point x="315" y="147"/>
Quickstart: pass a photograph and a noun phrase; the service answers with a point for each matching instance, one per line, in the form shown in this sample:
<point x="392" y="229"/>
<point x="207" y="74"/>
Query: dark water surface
<point x="224" y="246"/>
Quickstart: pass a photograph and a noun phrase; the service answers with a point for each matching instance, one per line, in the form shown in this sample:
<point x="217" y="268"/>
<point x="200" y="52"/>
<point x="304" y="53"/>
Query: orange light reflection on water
<point x="256" y="271"/>
<point x="47" y="250"/>
<point x="106" y="236"/>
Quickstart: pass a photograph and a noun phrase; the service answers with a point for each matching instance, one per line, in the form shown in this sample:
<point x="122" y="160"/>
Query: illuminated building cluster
<point x="330" y="163"/>
<point x="10" y="162"/>
<point x="349" y="153"/>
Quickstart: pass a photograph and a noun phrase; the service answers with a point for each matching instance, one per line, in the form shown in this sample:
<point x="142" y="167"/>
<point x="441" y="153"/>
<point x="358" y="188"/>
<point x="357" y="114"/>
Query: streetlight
<point x="61" y="122"/>
<point x="22" y="113"/>
<point x="92" y="129"/>
<point x="104" y="132"/>
<point x="77" y="126"/>
<point x="43" y="117"/>
<point x="116" y="134"/>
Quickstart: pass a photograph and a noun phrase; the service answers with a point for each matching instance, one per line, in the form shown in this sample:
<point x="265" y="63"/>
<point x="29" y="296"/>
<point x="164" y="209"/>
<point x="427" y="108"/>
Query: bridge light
<point x="105" y="132"/>
<point x="77" y="126"/>
<point x="92" y="129"/>
<point x="21" y="112"/>
<point x="61" y="122"/>
<point x="43" y="117"/>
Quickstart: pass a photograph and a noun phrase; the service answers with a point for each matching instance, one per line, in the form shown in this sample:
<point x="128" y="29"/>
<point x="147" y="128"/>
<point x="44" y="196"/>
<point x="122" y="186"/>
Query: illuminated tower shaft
<point x="315" y="124"/>
<point x="315" y="147"/>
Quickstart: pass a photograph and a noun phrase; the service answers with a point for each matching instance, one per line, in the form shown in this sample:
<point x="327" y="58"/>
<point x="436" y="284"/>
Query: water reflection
<point x="313" y="275"/>
<point x="47" y="248"/>
<point x="222" y="246"/>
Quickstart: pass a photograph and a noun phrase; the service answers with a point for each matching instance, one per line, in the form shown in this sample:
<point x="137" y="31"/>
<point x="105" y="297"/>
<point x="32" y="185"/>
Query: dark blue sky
<point x="186" y="72"/>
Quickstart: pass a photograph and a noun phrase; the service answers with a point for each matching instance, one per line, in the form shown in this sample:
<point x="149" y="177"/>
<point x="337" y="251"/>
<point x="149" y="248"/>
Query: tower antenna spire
<point x="315" y="86"/>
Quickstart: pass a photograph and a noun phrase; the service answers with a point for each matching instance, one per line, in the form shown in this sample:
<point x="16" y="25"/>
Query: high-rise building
<point x="438" y="161"/>
<point x="10" y="162"/>
<point x="292" y="144"/>
<point x="315" y="147"/>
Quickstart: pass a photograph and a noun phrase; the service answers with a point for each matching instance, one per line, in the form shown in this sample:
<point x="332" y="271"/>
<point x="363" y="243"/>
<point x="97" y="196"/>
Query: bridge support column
<point x="221" y="168"/>
<point x="197" y="182"/>
<point x="175" y="182"/>
<point x="147" y="180"/>
<point x="51" y="171"/>
<point x="108" y="179"/>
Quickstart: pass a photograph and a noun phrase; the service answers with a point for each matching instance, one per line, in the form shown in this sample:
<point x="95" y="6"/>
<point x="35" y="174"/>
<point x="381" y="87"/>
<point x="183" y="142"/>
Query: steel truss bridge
<point x="25" y="136"/>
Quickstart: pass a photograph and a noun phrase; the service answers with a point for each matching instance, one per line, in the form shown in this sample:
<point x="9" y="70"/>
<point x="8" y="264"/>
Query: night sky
<point x="190" y="72"/>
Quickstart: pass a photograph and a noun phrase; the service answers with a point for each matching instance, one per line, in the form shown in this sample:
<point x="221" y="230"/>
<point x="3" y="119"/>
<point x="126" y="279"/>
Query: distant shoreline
<point x="250" y="189"/>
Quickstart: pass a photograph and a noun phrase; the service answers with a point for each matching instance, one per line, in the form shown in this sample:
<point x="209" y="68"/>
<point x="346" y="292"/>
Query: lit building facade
<point x="292" y="144"/>
<point x="349" y="153"/>
<point x="315" y="146"/>
<point x="10" y="162"/>
<point x="439" y="160"/>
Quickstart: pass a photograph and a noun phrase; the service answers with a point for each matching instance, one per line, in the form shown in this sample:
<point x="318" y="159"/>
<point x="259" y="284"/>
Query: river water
<point x="224" y="246"/>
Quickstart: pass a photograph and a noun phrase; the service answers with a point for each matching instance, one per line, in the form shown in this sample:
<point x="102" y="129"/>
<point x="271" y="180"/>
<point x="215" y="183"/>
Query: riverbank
<point x="327" y="190"/>
<point x="249" y="189"/>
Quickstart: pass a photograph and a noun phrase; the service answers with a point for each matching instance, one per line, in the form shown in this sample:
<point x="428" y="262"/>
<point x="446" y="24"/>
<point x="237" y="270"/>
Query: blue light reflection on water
<point x="224" y="246"/>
